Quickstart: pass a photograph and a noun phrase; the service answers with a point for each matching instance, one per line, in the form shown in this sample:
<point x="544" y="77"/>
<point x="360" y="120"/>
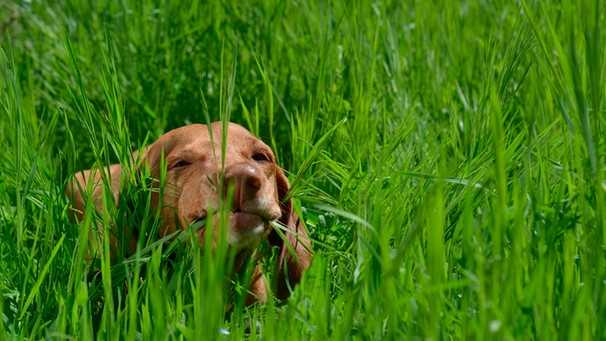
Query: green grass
<point x="448" y="158"/>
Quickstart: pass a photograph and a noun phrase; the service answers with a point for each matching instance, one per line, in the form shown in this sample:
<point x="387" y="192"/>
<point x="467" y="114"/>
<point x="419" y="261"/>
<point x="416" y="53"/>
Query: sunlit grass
<point x="447" y="157"/>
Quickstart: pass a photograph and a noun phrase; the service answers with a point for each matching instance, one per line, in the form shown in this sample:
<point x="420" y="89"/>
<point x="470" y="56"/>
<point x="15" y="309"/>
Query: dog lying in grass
<point x="197" y="179"/>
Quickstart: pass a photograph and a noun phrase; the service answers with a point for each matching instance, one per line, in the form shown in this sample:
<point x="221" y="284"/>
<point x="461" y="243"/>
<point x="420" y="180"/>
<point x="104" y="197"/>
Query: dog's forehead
<point x="202" y="135"/>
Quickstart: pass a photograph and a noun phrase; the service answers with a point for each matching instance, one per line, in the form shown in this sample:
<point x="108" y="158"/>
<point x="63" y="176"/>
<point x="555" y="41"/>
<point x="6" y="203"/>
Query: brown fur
<point x="194" y="166"/>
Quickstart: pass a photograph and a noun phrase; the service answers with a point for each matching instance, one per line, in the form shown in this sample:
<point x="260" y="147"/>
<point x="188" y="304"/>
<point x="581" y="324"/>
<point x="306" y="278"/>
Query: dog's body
<point x="192" y="158"/>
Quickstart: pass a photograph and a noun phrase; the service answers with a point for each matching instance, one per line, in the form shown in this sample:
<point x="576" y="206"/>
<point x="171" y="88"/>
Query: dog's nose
<point x="246" y="180"/>
<point x="251" y="193"/>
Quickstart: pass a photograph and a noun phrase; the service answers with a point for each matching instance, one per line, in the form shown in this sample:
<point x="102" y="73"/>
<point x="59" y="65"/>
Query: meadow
<point x="448" y="158"/>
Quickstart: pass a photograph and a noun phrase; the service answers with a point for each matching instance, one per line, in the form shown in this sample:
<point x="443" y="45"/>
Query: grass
<point x="448" y="158"/>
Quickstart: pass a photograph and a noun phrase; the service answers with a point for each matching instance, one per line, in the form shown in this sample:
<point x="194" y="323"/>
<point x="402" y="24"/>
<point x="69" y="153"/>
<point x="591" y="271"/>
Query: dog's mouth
<point x="244" y="229"/>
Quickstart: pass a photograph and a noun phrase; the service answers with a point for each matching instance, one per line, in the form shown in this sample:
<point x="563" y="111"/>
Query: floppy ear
<point x="295" y="257"/>
<point x="76" y="189"/>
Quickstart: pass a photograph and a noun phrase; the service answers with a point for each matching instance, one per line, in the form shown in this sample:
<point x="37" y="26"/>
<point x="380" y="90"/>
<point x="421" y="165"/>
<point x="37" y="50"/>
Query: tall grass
<point x="447" y="157"/>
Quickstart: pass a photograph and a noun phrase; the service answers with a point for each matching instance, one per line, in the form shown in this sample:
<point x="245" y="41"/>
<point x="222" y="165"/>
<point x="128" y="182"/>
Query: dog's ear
<point x="87" y="185"/>
<point x="295" y="257"/>
<point x="77" y="187"/>
<point x="90" y="186"/>
<point x="92" y="180"/>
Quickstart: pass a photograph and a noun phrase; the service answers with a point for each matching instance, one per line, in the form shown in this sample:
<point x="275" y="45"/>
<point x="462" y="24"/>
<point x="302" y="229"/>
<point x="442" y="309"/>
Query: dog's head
<point x="201" y="168"/>
<point x="200" y="176"/>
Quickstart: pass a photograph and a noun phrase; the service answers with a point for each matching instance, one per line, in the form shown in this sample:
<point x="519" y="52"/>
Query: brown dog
<point x="192" y="159"/>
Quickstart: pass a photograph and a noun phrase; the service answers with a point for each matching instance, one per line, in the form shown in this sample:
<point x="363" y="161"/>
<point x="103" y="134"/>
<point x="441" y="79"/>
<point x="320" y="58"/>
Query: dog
<point x="194" y="169"/>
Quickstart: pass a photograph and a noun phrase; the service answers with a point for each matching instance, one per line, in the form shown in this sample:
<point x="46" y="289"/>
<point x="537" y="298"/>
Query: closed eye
<point x="180" y="164"/>
<point x="260" y="157"/>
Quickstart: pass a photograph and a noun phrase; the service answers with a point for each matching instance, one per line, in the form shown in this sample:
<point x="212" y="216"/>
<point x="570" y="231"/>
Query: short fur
<point x="193" y="160"/>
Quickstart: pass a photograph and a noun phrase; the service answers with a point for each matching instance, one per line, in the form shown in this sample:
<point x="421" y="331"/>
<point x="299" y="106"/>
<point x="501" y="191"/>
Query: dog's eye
<point x="180" y="163"/>
<point x="260" y="157"/>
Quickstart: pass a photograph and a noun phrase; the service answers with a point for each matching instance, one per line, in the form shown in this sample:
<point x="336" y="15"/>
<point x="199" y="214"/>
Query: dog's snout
<point x="246" y="179"/>
<point x="251" y="192"/>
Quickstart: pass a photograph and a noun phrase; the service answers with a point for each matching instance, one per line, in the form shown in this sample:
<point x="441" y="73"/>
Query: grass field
<point x="448" y="158"/>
